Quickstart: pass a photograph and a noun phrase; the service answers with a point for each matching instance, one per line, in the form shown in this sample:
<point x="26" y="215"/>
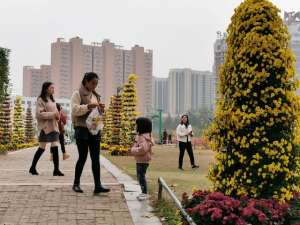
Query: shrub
<point x="104" y="146"/>
<point x="3" y="149"/>
<point x="215" y="208"/>
<point x="118" y="150"/>
<point x="12" y="146"/>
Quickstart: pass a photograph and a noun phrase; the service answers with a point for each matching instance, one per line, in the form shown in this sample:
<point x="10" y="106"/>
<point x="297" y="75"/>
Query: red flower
<point x="262" y="217"/>
<point x="199" y="193"/>
<point x="248" y="211"/>
<point x="217" y="196"/>
<point x="240" y="221"/>
<point x="217" y="214"/>
<point x="216" y="207"/>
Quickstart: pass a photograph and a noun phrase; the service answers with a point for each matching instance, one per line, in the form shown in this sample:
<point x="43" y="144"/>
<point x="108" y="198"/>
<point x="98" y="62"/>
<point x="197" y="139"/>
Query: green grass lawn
<point x="164" y="164"/>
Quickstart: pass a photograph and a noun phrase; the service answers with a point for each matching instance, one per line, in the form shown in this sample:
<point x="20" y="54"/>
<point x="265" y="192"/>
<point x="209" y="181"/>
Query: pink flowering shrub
<point x="218" y="209"/>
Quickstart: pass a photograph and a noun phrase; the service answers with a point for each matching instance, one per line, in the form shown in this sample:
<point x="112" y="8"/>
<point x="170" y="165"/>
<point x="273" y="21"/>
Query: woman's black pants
<point x="62" y="142"/>
<point x="89" y="143"/>
<point x="188" y="147"/>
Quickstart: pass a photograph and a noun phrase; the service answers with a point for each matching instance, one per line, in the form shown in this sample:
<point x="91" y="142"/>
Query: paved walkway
<point x="44" y="199"/>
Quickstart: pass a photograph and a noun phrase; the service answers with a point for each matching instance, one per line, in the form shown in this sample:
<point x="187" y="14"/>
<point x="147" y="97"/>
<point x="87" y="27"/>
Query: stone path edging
<point x="141" y="211"/>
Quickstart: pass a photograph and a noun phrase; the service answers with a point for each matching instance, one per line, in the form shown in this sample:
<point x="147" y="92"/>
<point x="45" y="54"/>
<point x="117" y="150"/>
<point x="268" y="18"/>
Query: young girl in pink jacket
<point x="142" y="150"/>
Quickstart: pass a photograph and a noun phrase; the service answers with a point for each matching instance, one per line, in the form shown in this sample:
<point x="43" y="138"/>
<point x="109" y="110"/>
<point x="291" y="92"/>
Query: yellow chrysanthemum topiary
<point x="108" y="124"/>
<point x="18" y="136"/>
<point x="255" y="128"/>
<point x="119" y="122"/>
<point x="116" y="109"/>
<point x="129" y="111"/>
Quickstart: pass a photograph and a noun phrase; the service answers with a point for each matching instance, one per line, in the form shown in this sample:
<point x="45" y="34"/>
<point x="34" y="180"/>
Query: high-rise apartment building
<point x="190" y="90"/>
<point x="220" y="48"/>
<point x="33" y="78"/>
<point x="70" y="60"/>
<point x="161" y="94"/>
<point x="293" y="22"/>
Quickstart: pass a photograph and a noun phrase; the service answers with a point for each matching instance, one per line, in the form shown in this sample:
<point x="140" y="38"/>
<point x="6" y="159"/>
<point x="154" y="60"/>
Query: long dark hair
<point x="143" y="125"/>
<point x="58" y="106"/>
<point x="87" y="78"/>
<point x="187" y="121"/>
<point x="44" y="92"/>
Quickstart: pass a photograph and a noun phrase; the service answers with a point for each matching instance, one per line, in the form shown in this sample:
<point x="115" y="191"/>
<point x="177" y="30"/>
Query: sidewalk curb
<point x="141" y="211"/>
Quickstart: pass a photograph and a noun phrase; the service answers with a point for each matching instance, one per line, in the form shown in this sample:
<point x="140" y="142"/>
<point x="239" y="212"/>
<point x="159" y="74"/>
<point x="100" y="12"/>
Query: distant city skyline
<point x="180" y="33"/>
<point x="185" y="90"/>
<point x="70" y="59"/>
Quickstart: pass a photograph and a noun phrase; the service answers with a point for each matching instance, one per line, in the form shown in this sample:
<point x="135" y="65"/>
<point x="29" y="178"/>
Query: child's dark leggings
<point x="141" y="169"/>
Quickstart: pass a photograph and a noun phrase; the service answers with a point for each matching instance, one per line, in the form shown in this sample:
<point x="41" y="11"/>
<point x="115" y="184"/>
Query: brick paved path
<point x="44" y="199"/>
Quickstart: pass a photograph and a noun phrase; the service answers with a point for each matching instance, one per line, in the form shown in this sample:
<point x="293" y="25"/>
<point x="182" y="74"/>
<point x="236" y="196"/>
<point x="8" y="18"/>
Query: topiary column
<point x="29" y="129"/>
<point x="5" y="120"/>
<point x="254" y="131"/>
<point x="4" y="72"/>
<point x="116" y="120"/>
<point x="107" y="129"/>
<point x="18" y="136"/>
<point x="129" y="113"/>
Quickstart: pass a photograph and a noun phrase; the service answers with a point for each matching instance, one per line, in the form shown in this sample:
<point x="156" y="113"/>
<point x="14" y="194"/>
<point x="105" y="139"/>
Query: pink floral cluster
<point x="217" y="208"/>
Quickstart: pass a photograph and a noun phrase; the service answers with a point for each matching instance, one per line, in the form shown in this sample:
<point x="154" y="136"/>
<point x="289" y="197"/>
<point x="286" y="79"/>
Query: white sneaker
<point x="143" y="197"/>
<point x="138" y="197"/>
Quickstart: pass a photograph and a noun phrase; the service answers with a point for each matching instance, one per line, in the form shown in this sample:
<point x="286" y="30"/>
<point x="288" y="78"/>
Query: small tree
<point x="4" y="72"/>
<point x="113" y="126"/>
<point x="116" y="120"/>
<point x="18" y="136"/>
<point x="129" y="113"/>
<point x="5" y="120"/>
<point x="254" y="131"/>
<point x="29" y="128"/>
<point x="106" y="132"/>
<point x="108" y="124"/>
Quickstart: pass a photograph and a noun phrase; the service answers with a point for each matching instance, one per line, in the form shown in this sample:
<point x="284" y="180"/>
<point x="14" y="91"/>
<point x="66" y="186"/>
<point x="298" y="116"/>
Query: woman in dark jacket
<point x="82" y="102"/>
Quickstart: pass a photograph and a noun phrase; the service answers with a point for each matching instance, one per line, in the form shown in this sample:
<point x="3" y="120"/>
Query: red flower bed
<point x="217" y="209"/>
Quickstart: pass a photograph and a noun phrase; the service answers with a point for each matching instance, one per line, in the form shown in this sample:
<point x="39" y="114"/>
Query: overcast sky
<point x="181" y="33"/>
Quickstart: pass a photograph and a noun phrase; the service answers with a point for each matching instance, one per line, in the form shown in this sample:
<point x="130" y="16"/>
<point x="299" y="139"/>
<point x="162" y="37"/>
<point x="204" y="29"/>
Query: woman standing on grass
<point x="184" y="133"/>
<point x="47" y="117"/>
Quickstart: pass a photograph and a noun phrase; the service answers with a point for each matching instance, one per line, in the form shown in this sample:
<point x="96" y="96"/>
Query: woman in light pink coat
<point x="47" y="116"/>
